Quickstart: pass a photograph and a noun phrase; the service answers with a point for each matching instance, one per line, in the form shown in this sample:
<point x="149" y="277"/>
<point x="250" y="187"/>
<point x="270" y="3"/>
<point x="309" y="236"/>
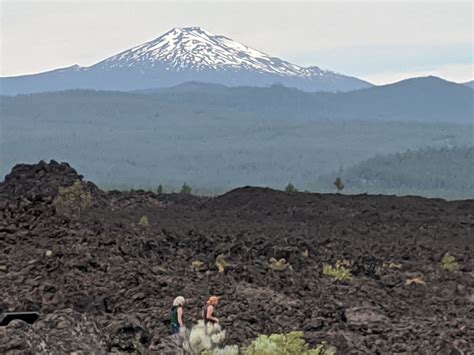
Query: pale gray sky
<point x="378" y="41"/>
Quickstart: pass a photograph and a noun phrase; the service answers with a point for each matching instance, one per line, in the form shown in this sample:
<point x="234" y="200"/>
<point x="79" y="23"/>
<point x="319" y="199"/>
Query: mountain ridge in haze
<point x="423" y="99"/>
<point x="426" y="99"/>
<point x="181" y="55"/>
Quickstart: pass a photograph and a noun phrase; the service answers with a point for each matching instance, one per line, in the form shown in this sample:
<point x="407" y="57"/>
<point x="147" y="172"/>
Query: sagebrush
<point x="449" y="263"/>
<point x="340" y="271"/>
<point x="72" y="200"/>
<point x="203" y="337"/>
<point x="144" y="221"/>
<point x="206" y="339"/>
<point x="291" y="343"/>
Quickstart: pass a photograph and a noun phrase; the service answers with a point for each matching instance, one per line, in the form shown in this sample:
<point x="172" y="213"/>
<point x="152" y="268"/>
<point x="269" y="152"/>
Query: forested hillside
<point x="430" y="100"/>
<point x="217" y="138"/>
<point x="445" y="172"/>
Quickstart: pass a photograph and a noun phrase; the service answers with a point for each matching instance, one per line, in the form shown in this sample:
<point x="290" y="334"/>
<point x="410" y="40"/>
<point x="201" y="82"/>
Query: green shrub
<point x="221" y="263"/>
<point x="203" y="338"/>
<point x="72" y="200"/>
<point x="186" y="189"/>
<point x="290" y="188"/>
<point x="291" y="343"/>
<point x="339" y="272"/>
<point x="160" y="189"/>
<point x="144" y="221"/>
<point x="449" y="263"/>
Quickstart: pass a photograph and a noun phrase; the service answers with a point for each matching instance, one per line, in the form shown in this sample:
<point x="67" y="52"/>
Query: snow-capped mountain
<point x="181" y="55"/>
<point x="197" y="49"/>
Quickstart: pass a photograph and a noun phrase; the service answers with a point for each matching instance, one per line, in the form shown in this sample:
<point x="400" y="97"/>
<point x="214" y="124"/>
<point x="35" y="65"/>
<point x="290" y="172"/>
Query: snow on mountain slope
<point x="197" y="49"/>
<point x="183" y="55"/>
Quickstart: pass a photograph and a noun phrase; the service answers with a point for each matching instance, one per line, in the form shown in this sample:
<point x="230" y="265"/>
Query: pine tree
<point x="339" y="184"/>
<point x="290" y="188"/>
<point x="186" y="189"/>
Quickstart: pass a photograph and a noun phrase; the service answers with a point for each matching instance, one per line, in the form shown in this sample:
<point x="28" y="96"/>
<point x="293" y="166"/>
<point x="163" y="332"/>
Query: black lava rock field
<point x="102" y="268"/>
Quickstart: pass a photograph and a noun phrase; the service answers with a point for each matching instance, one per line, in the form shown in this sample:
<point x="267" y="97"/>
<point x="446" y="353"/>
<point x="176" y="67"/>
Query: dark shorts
<point x="174" y="329"/>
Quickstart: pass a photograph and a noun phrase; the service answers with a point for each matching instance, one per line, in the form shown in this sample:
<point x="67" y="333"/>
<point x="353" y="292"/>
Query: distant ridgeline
<point x="427" y="99"/>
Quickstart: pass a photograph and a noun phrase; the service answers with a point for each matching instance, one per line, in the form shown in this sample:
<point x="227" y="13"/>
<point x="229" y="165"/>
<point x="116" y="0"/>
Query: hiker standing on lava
<point x="177" y="315"/>
<point x="208" y="311"/>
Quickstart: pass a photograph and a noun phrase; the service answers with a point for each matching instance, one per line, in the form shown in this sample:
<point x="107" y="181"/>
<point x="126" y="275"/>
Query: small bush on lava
<point x="198" y="265"/>
<point x="280" y="265"/>
<point x="221" y="263"/>
<point x="144" y="221"/>
<point x="291" y="343"/>
<point x="339" y="272"/>
<point x="449" y="263"/>
<point x="203" y="338"/>
<point x="72" y="200"/>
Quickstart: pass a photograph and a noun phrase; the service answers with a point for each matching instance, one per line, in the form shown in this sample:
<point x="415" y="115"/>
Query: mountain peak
<point x="191" y="53"/>
<point x="188" y="30"/>
<point x="194" y="48"/>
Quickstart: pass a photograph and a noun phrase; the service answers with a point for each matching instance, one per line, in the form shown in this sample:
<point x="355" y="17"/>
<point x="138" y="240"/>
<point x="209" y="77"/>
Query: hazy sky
<point x="378" y="41"/>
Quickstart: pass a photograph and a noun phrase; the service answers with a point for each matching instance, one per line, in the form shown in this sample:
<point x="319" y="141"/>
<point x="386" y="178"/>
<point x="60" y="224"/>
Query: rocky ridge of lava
<point x="104" y="283"/>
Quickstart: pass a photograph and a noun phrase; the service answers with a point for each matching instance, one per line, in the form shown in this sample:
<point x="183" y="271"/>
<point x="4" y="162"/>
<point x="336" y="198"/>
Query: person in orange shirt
<point x="208" y="312"/>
